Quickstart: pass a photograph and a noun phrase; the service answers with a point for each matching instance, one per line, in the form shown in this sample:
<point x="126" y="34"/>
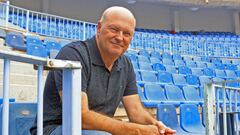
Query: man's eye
<point x="114" y="29"/>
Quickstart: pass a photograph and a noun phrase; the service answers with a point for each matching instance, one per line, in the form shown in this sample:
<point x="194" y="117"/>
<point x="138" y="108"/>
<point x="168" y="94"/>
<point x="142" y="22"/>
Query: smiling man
<point x="107" y="78"/>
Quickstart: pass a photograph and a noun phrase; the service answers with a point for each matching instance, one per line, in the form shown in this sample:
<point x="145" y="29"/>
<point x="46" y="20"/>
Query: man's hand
<point x="148" y="130"/>
<point x="163" y="130"/>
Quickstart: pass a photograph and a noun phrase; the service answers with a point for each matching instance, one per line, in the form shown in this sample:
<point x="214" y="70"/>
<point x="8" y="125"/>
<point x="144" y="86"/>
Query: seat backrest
<point x="171" y="69"/>
<point x="231" y="67"/>
<point x="166" y="56"/>
<point x="164" y="77"/>
<point x="167" y="114"/>
<point x="33" y="40"/>
<point x="179" y="79"/>
<point x="158" y="66"/>
<point x="141" y="94"/>
<point x="220" y="66"/>
<point x="189" y="115"/>
<point x="192" y="80"/>
<point x="167" y="62"/>
<point x="201" y="64"/>
<point x="220" y="73"/>
<point x="154" y="60"/>
<point x="21" y="118"/>
<point x="15" y="40"/>
<point x="154" y="92"/>
<point x="37" y="50"/>
<point x="184" y="70"/>
<point x="191" y="93"/>
<point x="197" y="71"/>
<point x="204" y="79"/>
<point x="208" y="72"/>
<point x="230" y="74"/>
<point x="142" y="58"/>
<point x="177" y="57"/>
<point x="179" y="63"/>
<point x="174" y="93"/>
<point x="148" y="76"/>
<point x="144" y="53"/>
<point x="155" y="54"/>
<point x="191" y="64"/>
<point x="145" y="66"/>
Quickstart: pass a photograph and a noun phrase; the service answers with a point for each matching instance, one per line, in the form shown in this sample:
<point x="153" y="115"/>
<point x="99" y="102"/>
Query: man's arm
<point x="138" y="114"/>
<point x="95" y="121"/>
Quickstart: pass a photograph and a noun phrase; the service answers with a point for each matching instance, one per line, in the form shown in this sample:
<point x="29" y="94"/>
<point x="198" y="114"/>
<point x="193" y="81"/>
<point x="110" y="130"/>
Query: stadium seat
<point x="135" y="65"/>
<point x="132" y="57"/>
<point x="177" y="57"/>
<point x="52" y="45"/>
<point x="192" y="80"/>
<point x="167" y="114"/>
<point x="158" y="67"/>
<point x="171" y="69"/>
<point x="197" y="59"/>
<point x="48" y="39"/>
<point x="216" y="61"/>
<point x="230" y="74"/>
<point x="168" y="62"/>
<point x="184" y="70"/>
<point x="220" y="73"/>
<point x="144" y="53"/>
<point x="203" y="80"/>
<point x="187" y="58"/>
<point x="174" y="95"/>
<point x="211" y="65"/>
<point x="191" y="64"/>
<point x="209" y="72"/>
<point x="155" y="54"/>
<point x="179" y="63"/>
<point x="148" y="77"/>
<point x="226" y="61"/>
<point x="192" y="95"/>
<point x="142" y="58"/>
<point x="21" y="118"/>
<point x="145" y="66"/>
<point x="33" y="40"/>
<point x="37" y="50"/>
<point x="236" y="61"/>
<point x="201" y="64"/>
<point x="230" y="67"/>
<point x="237" y="73"/>
<point x="220" y="66"/>
<point x="154" y="60"/>
<point x="197" y="71"/>
<point x="190" y="119"/>
<point x="15" y="40"/>
<point x="179" y="79"/>
<point x="166" y="56"/>
<point x="154" y="94"/>
<point x="164" y="77"/>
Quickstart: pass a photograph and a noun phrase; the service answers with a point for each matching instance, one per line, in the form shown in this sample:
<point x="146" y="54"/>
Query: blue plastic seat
<point x="33" y="40"/>
<point x="15" y="40"/>
<point x="154" y="94"/>
<point x="209" y="72"/>
<point x="192" y="80"/>
<point x="190" y="119"/>
<point x="187" y="58"/>
<point x="236" y="61"/>
<point x="148" y="76"/>
<point x="167" y="62"/>
<point x="171" y="69"/>
<point x="37" y="50"/>
<point x="192" y="95"/>
<point x="179" y="79"/>
<point x="226" y="61"/>
<point x="220" y="66"/>
<point x="184" y="70"/>
<point x="47" y="39"/>
<point x="167" y="114"/>
<point x="197" y="71"/>
<point x="177" y="57"/>
<point x="201" y="64"/>
<point x="166" y="56"/>
<point x="164" y="77"/>
<point x="145" y="66"/>
<point x="144" y="53"/>
<point x="52" y="45"/>
<point x="216" y="61"/>
<point x="132" y="57"/>
<point x="230" y="74"/>
<point x="158" y="66"/>
<point x="220" y="73"/>
<point x="155" y="60"/>
<point x="21" y="118"/>
<point x="174" y="95"/>
<point x="211" y="65"/>
<point x="191" y="64"/>
<point x="197" y="59"/>
<point x="231" y="67"/>
<point x="203" y="80"/>
<point x="155" y="54"/>
<point x="179" y="63"/>
<point x="142" y="58"/>
<point x="237" y="73"/>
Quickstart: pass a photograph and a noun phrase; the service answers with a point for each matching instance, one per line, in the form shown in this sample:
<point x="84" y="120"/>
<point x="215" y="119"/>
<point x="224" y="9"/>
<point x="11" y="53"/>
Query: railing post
<point x="71" y="102"/>
<point x="7" y="13"/>
<point x="27" y="21"/>
<point x="5" y="115"/>
<point x="209" y="101"/>
<point x="84" y="30"/>
<point x="224" y="109"/>
<point x="40" y="101"/>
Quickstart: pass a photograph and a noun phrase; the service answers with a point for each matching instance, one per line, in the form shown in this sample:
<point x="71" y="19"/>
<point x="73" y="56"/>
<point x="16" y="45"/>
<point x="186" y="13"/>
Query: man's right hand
<point x="148" y="130"/>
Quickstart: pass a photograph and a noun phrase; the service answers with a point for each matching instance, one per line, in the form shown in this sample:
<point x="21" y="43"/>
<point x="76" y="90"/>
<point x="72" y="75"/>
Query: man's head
<point x="115" y="31"/>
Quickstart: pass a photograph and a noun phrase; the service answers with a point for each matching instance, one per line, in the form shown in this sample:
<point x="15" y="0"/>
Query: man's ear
<point x="99" y="25"/>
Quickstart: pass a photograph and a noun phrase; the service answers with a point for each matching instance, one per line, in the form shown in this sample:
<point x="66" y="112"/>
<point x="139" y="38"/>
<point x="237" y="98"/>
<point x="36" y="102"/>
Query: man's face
<point x="115" y="34"/>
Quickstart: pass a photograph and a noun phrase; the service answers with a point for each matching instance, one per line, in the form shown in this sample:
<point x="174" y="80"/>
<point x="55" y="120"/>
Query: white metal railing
<point x="213" y="104"/>
<point x="71" y="91"/>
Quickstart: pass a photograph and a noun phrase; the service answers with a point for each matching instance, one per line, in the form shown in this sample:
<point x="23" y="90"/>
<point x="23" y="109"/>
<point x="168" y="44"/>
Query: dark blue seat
<point x="192" y="95"/>
<point x="220" y="66"/>
<point x="154" y="94"/>
<point x="33" y="40"/>
<point x="184" y="70"/>
<point x="190" y="119"/>
<point x="167" y="114"/>
<point x="231" y="67"/>
<point x="164" y="77"/>
<point x="21" y="118"/>
<point x="192" y="80"/>
<point x="158" y="67"/>
<point x="15" y="40"/>
<point x="37" y="50"/>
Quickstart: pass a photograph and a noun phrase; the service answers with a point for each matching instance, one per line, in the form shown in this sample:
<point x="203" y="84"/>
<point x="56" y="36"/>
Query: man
<point x="107" y="78"/>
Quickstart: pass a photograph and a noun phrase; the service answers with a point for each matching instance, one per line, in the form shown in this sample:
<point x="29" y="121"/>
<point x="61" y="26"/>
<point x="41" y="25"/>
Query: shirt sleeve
<point x="131" y="87"/>
<point x="71" y="53"/>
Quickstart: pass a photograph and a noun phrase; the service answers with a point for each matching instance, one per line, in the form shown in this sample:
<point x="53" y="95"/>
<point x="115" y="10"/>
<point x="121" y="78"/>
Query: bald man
<point x="107" y="78"/>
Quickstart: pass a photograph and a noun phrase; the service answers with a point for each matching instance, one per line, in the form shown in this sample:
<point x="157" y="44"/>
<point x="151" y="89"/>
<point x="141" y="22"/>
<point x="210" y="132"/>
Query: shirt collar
<point x="96" y="56"/>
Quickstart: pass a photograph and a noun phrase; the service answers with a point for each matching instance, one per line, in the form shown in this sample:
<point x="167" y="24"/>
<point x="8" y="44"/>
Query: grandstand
<point x="172" y="66"/>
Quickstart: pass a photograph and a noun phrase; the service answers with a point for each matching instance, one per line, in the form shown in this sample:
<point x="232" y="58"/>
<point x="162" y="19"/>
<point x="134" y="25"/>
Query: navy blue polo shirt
<point x="104" y="89"/>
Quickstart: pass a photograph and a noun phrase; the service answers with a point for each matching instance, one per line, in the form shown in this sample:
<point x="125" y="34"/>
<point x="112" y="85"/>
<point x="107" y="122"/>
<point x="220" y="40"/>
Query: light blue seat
<point x="174" y="95"/>
<point x="145" y="66"/>
<point x="171" y="69"/>
<point x="166" y="56"/>
<point x="236" y="61"/>
<point x="177" y="57"/>
<point x="184" y="70"/>
<point x="226" y="61"/>
<point x="201" y="64"/>
<point x="144" y="53"/>
<point x="179" y="63"/>
<point x="132" y="57"/>
<point x="220" y="66"/>
<point x="168" y="62"/>
<point x="164" y="77"/>
<point x="187" y="58"/>
<point x="154" y="60"/>
<point x="197" y="71"/>
<point x="191" y="64"/>
<point x="158" y="67"/>
<point x="216" y="61"/>
<point x="142" y="58"/>
<point x="220" y="73"/>
<point x="167" y="114"/>
<point x="192" y="80"/>
<point x="21" y="118"/>
<point x="33" y="40"/>
<point x="211" y="65"/>
<point x="179" y="79"/>
<point x="237" y="73"/>
<point x="190" y="119"/>
<point x="148" y="77"/>
<point x="192" y="95"/>
<point x="230" y="74"/>
<point x="155" y="54"/>
<point x="154" y="94"/>
<point x="203" y="80"/>
<point x="15" y="40"/>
